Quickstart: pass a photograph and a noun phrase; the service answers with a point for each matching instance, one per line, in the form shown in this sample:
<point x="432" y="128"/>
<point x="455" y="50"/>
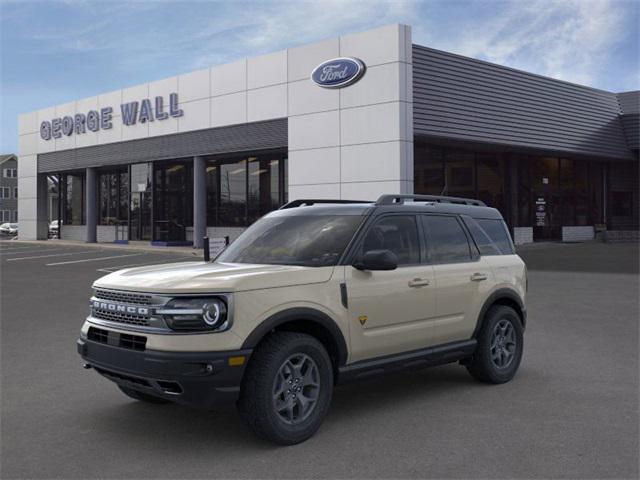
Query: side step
<point x="426" y="357"/>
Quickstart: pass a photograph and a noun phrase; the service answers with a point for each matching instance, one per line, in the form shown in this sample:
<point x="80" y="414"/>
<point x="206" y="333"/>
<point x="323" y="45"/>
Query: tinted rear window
<point x="497" y="231"/>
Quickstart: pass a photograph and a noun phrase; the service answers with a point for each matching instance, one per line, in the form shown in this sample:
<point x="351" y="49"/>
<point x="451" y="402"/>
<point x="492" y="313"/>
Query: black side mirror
<point x="377" y="260"/>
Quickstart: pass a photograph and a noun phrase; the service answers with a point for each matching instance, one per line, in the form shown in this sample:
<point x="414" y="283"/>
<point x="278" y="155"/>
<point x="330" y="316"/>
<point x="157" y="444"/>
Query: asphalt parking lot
<point x="571" y="412"/>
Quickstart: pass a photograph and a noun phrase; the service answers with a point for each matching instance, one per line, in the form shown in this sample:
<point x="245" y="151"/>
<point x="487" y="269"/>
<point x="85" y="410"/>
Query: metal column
<point x="91" y="199"/>
<point x="199" y="201"/>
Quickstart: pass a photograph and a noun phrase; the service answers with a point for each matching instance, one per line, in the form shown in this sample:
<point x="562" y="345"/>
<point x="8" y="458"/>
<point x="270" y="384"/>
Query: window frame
<point x="474" y="252"/>
<point x="353" y="252"/>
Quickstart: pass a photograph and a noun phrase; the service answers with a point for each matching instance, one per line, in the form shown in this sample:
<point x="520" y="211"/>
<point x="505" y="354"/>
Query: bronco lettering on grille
<point x="114" y="307"/>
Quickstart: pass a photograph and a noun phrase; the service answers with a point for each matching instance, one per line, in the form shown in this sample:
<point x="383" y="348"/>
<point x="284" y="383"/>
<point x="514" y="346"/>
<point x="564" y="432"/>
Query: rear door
<point x="462" y="277"/>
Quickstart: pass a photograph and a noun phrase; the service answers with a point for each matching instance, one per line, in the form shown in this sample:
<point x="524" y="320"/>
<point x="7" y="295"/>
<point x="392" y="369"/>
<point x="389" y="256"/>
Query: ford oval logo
<point x="338" y="73"/>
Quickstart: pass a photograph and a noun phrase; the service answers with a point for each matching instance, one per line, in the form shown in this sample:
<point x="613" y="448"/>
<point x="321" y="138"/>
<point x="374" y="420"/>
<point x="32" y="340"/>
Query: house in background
<point x="9" y="188"/>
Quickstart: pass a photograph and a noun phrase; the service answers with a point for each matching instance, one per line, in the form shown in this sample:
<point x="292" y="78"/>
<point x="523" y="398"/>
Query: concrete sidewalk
<point x="131" y="246"/>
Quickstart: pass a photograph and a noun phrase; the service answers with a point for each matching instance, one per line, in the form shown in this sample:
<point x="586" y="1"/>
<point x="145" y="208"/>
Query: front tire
<point x="500" y="345"/>
<point x="287" y="388"/>
<point x="141" y="396"/>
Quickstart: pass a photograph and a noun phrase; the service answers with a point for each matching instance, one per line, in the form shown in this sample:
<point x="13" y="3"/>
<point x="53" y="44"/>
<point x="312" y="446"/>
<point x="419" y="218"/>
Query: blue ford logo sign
<point x="338" y="73"/>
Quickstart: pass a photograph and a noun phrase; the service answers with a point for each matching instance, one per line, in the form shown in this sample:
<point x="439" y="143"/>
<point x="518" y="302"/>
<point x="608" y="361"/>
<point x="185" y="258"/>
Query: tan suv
<point x="314" y="294"/>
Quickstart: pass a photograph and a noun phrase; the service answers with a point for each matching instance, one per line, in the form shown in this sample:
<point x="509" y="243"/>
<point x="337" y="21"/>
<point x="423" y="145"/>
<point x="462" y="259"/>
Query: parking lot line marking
<point x="40" y="250"/>
<point x="92" y="259"/>
<point x="21" y="247"/>
<point x="51" y="255"/>
<point x="120" y="267"/>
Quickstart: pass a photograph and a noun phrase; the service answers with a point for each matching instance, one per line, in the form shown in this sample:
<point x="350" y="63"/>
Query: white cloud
<point x="569" y="40"/>
<point x="270" y="26"/>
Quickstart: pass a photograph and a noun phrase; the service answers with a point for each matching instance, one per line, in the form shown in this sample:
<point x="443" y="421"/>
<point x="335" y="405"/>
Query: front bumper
<point x="196" y="379"/>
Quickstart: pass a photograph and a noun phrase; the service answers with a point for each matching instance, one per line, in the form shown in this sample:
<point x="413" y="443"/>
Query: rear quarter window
<point x="497" y="232"/>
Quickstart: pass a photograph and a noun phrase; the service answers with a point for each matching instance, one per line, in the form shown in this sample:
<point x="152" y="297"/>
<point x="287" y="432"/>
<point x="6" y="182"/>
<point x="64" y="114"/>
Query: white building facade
<point x="208" y="152"/>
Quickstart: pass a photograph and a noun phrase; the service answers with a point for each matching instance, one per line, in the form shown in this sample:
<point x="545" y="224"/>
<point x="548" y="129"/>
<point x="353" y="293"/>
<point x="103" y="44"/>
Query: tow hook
<point x="86" y="366"/>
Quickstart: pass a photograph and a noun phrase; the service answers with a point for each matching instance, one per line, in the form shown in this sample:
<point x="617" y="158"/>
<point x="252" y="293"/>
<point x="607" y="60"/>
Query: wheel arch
<point x="506" y="297"/>
<point x="304" y="320"/>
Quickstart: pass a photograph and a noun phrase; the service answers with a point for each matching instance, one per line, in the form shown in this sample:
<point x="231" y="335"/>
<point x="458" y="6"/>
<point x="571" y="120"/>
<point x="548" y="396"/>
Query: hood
<point x="200" y="277"/>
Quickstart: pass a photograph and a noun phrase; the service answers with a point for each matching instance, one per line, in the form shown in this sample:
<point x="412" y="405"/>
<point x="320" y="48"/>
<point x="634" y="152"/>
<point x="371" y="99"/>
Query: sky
<point x="55" y="51"/>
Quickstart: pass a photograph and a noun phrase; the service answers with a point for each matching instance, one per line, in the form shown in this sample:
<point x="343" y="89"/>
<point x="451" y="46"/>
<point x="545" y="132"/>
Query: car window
<point x="311" y="241"/>
<point x="398" y="233"/>
<point x="485" y="244"/>
<point x="447" y="242"/>
<point x="498" y="233"/>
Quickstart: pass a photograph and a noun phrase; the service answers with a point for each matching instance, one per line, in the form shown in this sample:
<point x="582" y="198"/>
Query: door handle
<point x="419" y="282"/>
<point x="478" y="277"/>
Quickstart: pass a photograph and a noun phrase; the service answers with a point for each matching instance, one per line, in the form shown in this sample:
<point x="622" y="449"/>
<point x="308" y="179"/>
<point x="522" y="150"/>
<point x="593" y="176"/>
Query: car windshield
<point x="310" y="241"/>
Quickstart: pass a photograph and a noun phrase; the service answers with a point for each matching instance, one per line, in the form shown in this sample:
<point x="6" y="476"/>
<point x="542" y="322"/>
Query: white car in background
<point x="54" y="229"/>
<point x="9" y="229"/>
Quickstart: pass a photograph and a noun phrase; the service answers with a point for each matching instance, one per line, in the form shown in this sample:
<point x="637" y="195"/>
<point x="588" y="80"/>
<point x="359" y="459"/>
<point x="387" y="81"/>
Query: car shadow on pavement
<point x="138" y="423"/>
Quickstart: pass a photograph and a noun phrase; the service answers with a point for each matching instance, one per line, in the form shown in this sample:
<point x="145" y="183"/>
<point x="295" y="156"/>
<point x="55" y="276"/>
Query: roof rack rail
<point x="391" y="199"/>
<point x="309" y="201"/>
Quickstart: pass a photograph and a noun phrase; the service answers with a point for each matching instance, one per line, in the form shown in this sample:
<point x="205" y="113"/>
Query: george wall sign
<point x="339" y="72"/>
<point x="94" y="120"/>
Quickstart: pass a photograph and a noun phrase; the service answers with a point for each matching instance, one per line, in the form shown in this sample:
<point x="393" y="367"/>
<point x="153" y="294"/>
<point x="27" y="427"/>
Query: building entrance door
<point x="140" y="219"/>
<point x="173" y="200"/>
<point x="140" y="213"/>
<point x="546" y="199"/>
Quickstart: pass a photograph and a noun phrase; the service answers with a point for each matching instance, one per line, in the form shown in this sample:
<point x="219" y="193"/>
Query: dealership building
<point x="208" y="152"/>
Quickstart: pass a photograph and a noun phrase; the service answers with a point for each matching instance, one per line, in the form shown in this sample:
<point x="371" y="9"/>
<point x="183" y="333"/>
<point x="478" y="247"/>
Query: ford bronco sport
<point x="316" y="293"/>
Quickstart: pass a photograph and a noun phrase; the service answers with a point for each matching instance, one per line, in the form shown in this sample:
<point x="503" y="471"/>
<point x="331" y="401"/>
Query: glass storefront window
<point x="173" y="200"/>
<point x="543" y="192"/>
<point x="233" y="194"/>
<point x="241" y="190"/>
<point x="460" y="174"/>
<point x="113" y="198"/>
<point x="428" y="170"/>
<point x="73" y="199"/>
<point x="490" y="180"/>
<point x="264" y="186"/>
<point x="596" y="193"/>
<point x="140" y="201"/>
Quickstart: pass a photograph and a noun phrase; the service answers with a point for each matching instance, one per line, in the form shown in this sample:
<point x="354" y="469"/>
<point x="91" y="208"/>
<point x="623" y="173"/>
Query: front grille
<point x="124" y="297"/>
<point x="129" y="319"/>
<point x="122" y="340"/>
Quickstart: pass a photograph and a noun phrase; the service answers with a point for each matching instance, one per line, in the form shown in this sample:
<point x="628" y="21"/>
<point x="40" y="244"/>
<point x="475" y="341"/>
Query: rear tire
<point x="141" y="396"/>
<point x="500" y="345"/>
<point x="287" y="388"/>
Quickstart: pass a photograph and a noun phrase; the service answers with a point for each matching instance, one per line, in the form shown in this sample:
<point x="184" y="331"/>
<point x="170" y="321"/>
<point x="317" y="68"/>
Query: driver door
<point x="390" y="311"/>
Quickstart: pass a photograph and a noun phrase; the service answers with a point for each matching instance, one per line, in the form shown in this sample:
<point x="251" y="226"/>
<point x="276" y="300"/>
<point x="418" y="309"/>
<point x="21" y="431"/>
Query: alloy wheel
<point x="296" y="388"/>
<point x="503" y="344"/>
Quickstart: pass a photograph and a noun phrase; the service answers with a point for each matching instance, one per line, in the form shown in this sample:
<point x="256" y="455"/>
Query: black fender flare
<point x="500" y="294"/>
<point x="300" y="313"/>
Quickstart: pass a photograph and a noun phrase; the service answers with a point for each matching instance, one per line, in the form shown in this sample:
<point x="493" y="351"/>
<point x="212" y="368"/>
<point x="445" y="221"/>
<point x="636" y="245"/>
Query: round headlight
<point x="211" y="314"/>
